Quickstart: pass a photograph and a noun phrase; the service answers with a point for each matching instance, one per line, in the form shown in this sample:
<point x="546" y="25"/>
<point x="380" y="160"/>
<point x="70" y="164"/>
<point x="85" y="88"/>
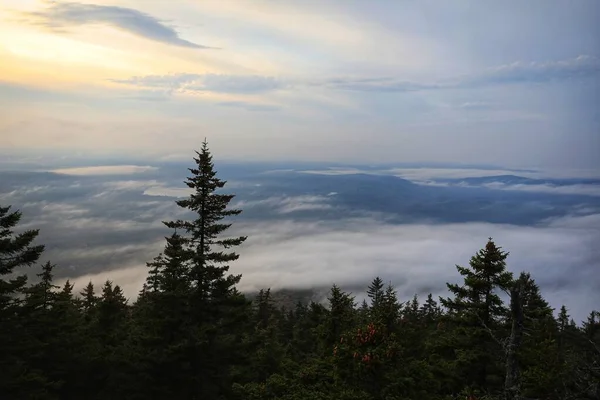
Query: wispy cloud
<point x="59" y="16"/>
<point x="577" y="189"/>
<point x="579" y="67"/>
<point x="201" y="83"/>
<point x="588" y="190"/>
<point x="289" y="204"/>
<point x="250" y="106"/>
<point x="475" y="105"/>
<point x="105" y="170"/>
<point x="517" y="72"/>
<point x="380" y="85"/>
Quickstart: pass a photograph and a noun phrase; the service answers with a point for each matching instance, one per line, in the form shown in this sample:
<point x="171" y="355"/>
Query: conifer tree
<point x="170" y="270"/>
<point x="208" y="271"/>
<point x="88" y="301"/>
<point x="375" y="292"/>
<point x="341" y="314"/>
<point x="478" y="312"/>
<point x="430" y="310"/>
<point x="216" y="307"/>
<point x="41" y="295"/>
<point x="538" y="355"/>
<point x="16" y="251"/>
<point x="67" y="359"/>
<point x="389" y="313"/>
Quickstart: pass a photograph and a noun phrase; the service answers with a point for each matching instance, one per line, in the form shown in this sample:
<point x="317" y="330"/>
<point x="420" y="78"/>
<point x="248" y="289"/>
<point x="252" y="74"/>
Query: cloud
<point x="475" y="105"/>
<point x="336" y="171"/>
<point x="302" y="235"/>
<point x="199" y="83"/>
<point x="250" y="106"/>
<point x="589" y="190"/>
<point x="579" y="67"/>
<point x="289" y="204"/>
<point x="582" y="189"/>
<point x="61" y="15"/>
<point x="426" y="173"/>
<point x="105" y="170"/>
<point x="161" y="190"/>
<point x="131" y="184"/>
<point x="380" y="85"/>
<point x="534" y="71"/>
<point x="517" y="72"/>
<point x="415" y="258"/>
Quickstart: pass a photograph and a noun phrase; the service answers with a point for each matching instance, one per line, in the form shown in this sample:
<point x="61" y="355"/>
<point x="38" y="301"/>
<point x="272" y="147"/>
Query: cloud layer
<point x="313" y="230"/>
<point x="583" y="66"/>
<point x="416" y="258"/>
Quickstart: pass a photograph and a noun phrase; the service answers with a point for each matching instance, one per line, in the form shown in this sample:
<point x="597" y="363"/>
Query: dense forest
<point x="191" y="334"/>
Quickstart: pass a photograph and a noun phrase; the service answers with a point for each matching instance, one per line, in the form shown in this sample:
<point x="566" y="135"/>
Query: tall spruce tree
<point x="216" y="307"/>
<point x="478" y="312"/>
<point x="208" y="271"/>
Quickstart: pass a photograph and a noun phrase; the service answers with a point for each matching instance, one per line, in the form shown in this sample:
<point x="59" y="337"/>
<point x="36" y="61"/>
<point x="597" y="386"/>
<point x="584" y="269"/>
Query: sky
<point x="509" y="83"/>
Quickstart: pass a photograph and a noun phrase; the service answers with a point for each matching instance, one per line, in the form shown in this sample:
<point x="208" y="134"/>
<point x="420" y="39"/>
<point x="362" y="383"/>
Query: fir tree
<point x="538" y="355"/>
<point x="16" y="251"/>
<point x="341" y="314"/>
<point x="478" y="311"/>
<point x="375" y="292"/>
<point x="216" y="307"/>
<point x="430" y="309"/>
<point x="209" y="267"/>
<point x="88" y="301"/>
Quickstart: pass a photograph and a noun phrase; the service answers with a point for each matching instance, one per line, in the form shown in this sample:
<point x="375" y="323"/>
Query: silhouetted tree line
<point x="192" y="335"/>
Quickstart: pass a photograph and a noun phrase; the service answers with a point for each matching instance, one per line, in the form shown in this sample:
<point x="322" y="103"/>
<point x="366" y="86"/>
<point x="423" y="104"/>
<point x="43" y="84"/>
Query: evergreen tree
<point x="41" y="296"/>
<point x="17" y="380"/>
<point x="389" y="312"/>
<point x="68" y="356"/>
<point x="341" y="314"/>
<point x="430" y="310"/>
<point x="478" y="312"/>
<point x="375" y="292"/>
<point x="538" y="355"/>
<point x="88" y="301"/>
<point x="208" y="271"/>
<point x="216" y="307"/>
<point x="110" y="329"/>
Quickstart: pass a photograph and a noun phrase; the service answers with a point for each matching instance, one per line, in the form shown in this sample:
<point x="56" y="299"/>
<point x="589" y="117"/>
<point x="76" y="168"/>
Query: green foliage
<point x="477" y="314"/>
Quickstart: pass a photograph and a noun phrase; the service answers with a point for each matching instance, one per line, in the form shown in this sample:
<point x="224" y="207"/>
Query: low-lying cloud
<point x="579" y="189"/>
<point x="308" y="230"/>
<point x="415" y="258"/>
<point x="289" y="204"/>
